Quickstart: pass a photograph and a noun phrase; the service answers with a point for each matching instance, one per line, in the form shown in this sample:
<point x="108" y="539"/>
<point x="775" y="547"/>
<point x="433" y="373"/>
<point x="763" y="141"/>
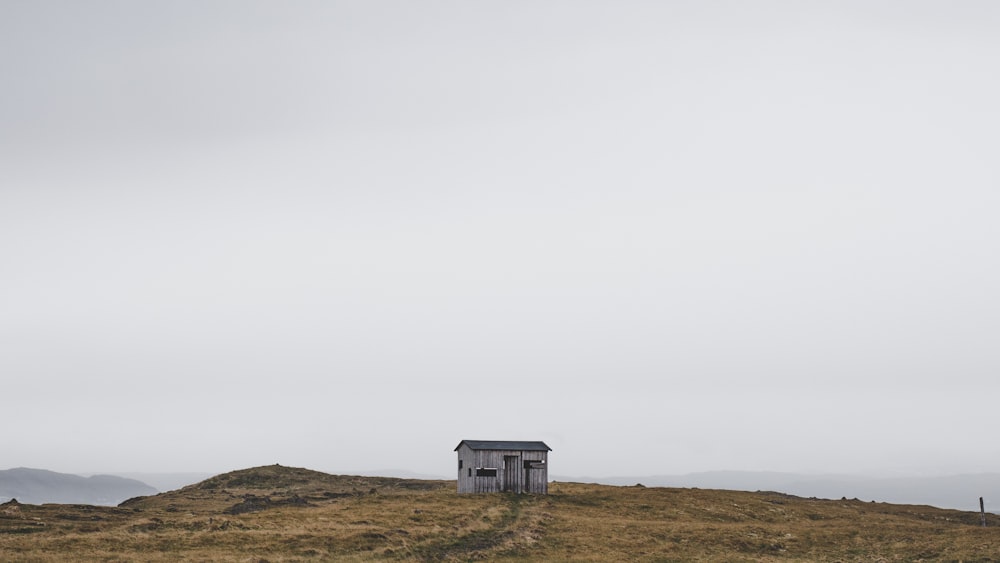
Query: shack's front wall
<point x="510" y="471"/>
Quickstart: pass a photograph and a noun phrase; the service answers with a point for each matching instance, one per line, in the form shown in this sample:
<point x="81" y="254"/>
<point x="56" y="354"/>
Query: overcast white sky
<point x="661" y="236"/>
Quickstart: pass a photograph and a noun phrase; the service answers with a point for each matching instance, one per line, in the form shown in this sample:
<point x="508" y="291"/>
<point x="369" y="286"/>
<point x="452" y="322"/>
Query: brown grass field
<point x="282" y="514"/>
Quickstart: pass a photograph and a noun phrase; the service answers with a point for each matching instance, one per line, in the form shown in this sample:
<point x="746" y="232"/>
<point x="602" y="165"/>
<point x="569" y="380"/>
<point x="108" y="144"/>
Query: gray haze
<point x="663" y="237"/>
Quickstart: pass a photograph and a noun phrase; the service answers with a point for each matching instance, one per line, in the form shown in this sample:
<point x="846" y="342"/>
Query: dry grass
<point x="300" y="515"/>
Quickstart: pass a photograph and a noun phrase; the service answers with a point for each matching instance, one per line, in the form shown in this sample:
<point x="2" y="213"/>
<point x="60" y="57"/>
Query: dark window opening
<point x="470" y="472"/>
<point x="485" y="472"/>
<point x="459" y="464"/>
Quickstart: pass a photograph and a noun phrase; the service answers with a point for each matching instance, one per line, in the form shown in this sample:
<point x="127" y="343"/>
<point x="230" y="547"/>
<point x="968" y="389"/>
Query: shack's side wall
<point x="466" y="470"/>
<point x="471" y="460"/>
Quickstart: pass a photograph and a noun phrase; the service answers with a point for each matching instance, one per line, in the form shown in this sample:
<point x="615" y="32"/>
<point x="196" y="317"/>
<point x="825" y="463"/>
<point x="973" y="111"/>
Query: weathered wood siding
<point x="510" y="469"/>
<point x="538" y="472"/>
<point x="466" y="470"/>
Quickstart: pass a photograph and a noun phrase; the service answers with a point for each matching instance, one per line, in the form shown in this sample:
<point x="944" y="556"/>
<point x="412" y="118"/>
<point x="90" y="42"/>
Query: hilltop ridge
<point x="278" y="513"/>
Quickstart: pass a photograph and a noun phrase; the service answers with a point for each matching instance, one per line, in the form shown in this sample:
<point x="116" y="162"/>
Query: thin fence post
<point x="982" y="511"/>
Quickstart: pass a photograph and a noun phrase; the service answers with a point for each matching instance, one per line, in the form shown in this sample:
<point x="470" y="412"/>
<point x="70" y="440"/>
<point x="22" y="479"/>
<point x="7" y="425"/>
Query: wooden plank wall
<point x="538" y="475"/>
<point x="466" y="483"/>
<point x="492" y="459"/>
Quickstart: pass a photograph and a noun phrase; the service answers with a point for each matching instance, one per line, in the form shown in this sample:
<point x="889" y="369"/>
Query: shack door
<point x="511" y="464"/>
<point x="534" y="476"/>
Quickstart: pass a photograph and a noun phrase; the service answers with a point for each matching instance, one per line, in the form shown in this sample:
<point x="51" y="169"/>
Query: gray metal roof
<point x="501" y="445"/>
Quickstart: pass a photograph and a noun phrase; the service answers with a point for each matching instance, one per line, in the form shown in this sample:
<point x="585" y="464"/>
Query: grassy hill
<point x="279" y="513"/>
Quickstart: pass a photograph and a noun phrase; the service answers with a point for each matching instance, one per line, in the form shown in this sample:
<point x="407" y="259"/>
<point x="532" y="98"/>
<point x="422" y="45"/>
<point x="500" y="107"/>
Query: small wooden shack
<point x="487" y="466"/>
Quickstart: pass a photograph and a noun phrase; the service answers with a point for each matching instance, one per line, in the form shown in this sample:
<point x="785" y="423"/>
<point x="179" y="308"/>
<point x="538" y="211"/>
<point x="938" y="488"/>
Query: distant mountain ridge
<point x="40" y="486"/>
<point x="960" y="492"/>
